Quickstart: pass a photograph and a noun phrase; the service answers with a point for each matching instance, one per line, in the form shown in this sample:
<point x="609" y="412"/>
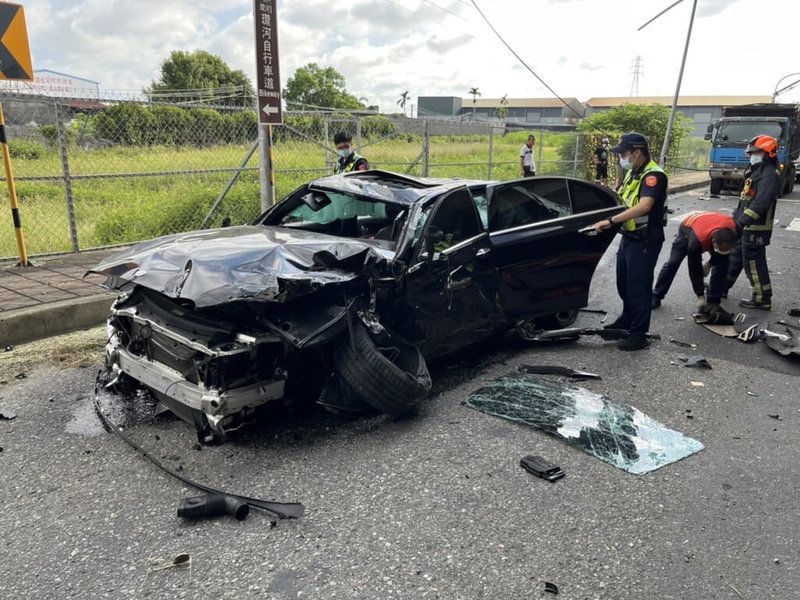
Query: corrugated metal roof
<point x="517" y="102"/>
<point x="611" y="101"/>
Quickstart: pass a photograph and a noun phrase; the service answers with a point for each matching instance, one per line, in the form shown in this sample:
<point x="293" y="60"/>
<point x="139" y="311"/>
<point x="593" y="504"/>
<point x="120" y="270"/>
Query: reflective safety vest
<point x="629" y="192"/>
<point x="349" y="166"/>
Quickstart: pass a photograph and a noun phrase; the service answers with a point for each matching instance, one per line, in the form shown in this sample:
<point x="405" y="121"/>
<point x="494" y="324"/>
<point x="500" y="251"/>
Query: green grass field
<point x="120" y="209"/>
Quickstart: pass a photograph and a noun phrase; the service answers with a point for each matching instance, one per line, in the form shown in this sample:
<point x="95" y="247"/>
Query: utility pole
<point x="663" y="160"/>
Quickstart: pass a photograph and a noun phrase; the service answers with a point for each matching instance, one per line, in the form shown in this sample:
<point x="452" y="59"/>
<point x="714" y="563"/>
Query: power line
<point x="524" y="64"/>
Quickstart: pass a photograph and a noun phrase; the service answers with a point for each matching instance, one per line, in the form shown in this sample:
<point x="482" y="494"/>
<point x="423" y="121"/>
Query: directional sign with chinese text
<point x="267" y="74"/>
<point x="15" y="54"/>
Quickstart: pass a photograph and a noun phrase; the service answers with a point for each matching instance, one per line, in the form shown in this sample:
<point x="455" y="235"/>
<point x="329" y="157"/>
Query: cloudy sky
<point x="580" y="48"/>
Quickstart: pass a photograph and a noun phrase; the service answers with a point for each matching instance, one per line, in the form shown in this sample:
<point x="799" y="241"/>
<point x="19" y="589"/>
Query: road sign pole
<point x="268" y="81"/>
<point x="266" y="166"/>
<point x="12" y="193"/>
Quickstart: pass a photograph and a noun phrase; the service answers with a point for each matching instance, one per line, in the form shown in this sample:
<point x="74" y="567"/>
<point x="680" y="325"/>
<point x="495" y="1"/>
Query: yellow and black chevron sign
<point x="15" y="54"/>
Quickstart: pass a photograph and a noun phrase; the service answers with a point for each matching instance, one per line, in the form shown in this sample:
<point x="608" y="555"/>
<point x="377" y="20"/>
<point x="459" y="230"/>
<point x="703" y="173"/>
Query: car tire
<point x="716" y="186"/>
<point x="392" y="379"/>
<point x="560" y="320"/>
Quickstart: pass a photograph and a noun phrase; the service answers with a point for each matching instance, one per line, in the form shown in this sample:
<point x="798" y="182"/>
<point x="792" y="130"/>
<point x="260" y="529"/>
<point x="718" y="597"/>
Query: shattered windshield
<point x="340" y="207"/>
<point x="741" y="132"/>
<point x="616" y="433"/>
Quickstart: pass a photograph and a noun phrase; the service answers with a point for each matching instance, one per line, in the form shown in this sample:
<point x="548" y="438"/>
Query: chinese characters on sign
<point x="267" y="72"/>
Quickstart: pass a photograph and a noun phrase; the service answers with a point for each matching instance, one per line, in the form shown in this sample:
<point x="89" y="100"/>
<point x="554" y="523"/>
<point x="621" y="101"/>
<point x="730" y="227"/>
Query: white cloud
<point x="581" y="48"/>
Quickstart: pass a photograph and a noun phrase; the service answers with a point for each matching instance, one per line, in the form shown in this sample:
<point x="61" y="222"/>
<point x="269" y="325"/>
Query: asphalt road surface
<point x="436" y="505"/>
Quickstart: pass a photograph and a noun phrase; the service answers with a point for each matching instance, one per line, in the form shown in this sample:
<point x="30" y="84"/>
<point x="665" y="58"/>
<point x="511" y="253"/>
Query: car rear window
<point x="586" y="198"/>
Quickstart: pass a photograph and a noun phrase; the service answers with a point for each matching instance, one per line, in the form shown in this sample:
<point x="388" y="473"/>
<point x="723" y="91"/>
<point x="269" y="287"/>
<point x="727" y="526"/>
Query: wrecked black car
<point x="345" y="288"/>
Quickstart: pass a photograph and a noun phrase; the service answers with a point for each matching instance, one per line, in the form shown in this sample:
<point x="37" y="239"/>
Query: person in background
<point x="601" y="163"/>
<point x="526" y="162"/>
<point x="700" y="232"/>
<point x="753" y="216"/>
<point x="644" y="193"/>
<point x="349" y="160"/>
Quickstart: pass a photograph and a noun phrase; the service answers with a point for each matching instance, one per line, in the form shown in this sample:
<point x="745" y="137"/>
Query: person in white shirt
<point x="526" y="162"/>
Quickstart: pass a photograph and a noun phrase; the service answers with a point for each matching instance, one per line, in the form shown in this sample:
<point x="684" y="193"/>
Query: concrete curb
<point x="687" y="186"/>
<point x="54" y="318"/>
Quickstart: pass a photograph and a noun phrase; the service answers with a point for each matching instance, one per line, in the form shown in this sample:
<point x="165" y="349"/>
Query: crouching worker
<point x="700" y="232"/>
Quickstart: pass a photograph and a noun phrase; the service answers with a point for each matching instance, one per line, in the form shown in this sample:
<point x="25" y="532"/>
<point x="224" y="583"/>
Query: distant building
<point x="553" y="114"/>
<point x="52" y="83"/>
<point x="702" y="110"/>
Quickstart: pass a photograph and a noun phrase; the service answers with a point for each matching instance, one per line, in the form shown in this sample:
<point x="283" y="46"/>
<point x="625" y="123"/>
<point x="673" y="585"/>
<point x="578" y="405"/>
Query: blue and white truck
<point x="740" y="124"/>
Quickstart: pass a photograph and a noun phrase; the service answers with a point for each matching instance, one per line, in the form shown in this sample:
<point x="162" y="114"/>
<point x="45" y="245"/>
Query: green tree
<point x="314" y="87"/>
<point x="201" y="76"/>
<point x="475" y="93"/>
<point x="649" y="120"/>
<point x="501" y="112"/>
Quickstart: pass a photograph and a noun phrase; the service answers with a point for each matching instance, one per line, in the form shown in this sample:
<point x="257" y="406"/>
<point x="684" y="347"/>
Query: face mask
<point x="755" y="159"/>
<point x="625" y="163"/>
<point x="344" y="152"/>
<point x="722" y="252"/>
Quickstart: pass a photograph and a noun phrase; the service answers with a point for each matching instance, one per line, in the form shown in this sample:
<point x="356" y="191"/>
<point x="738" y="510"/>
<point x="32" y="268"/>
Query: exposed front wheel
<point x="716" y="186"/>
<point x="391" y="378"/>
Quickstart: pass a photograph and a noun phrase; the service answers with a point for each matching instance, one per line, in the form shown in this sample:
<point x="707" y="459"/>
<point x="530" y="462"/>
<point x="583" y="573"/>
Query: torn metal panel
<point x="216" y="266"/>
<point x="616" y="433"/>
<point x="784" y="343"/>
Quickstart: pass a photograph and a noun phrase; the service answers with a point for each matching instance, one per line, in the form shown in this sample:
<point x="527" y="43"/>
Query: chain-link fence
<point x="91" y="174"/>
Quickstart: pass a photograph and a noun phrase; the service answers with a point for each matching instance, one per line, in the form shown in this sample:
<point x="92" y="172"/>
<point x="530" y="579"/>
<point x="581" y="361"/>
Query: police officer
<point x="700" y="232"/>
<point x="753" y="216"/>
<point x="644" y="193"/>
<point x="349" y="160"/>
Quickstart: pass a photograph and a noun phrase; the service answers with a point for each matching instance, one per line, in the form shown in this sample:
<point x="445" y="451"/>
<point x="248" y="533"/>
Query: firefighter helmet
<point x="763" y="143"/>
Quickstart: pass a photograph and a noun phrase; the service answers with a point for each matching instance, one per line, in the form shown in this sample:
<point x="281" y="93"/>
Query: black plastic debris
<point x="794" y="312"/>
<point x="21" y="376"/>
<point x="213" y="505"/>
<point x="7" y="416"/>
<point x="550" y="588"/>
<point x="682" y="344"/>
<point x="541" y="468"/>
<point x="697" y="362"/>
<point x="776" y="417"/>
<point x="9" y="348"/>
<point x="573" y="333"/>
<point x="557" y="370"/>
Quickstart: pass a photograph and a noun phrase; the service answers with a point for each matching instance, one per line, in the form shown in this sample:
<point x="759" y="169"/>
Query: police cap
<point x="630" y="142"/>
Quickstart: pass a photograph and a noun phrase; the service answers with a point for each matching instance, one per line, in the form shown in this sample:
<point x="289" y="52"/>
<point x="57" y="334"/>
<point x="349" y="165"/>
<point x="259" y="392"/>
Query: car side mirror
<point x="707" y="136"/>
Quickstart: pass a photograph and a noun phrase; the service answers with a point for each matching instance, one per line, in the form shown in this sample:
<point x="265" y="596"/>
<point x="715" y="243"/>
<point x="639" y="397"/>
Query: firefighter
<point x="700" y="232"/>
<point x="644" y="193"/>
<point x="349" y="160"/>
<point x="753" y="216"/>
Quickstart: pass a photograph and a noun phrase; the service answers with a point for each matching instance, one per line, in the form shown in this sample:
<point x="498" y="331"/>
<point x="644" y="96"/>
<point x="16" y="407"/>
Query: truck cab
<point x="739" y="124"/>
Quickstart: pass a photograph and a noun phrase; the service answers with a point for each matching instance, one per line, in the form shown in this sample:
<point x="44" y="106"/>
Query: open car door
<point x="451" y="285"/>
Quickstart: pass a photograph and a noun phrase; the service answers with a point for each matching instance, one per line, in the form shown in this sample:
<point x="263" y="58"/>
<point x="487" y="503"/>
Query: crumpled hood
<point x="216" y="266"/>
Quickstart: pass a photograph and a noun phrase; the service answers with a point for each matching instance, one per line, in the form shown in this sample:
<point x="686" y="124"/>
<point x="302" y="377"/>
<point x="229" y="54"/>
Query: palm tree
<point x="475" y="93"/>
<point x="402" y="101"/>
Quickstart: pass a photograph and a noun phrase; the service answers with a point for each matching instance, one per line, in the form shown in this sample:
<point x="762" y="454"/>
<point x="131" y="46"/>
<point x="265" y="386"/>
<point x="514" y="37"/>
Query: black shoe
<point x="618" y="324"/>
<point x="754" y="304"/>
<point x="655" y="302"/>
<point x="634" y="342"/>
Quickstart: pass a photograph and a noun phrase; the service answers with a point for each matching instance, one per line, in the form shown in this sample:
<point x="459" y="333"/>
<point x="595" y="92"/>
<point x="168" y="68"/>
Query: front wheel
<point x="391" y="378"/>
<point x="716" y="186"/>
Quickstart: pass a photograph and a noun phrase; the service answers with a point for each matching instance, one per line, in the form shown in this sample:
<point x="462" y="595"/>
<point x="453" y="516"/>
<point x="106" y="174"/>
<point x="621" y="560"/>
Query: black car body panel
<point x="221" y="321"/>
